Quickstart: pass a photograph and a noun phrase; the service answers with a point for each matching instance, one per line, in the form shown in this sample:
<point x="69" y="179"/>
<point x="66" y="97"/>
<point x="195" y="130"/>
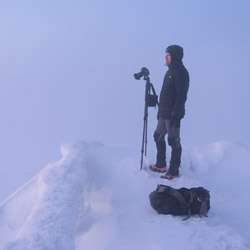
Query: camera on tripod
<point x="144" y="73"/>
<point x="151" y="100"/>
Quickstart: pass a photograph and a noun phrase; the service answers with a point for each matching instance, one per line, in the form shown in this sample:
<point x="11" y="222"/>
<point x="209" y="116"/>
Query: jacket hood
<point x="176" y="52"/>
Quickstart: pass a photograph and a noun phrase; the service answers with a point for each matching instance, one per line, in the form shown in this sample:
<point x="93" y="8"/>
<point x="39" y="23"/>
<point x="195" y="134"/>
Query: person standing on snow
<point x="171" y="110"/>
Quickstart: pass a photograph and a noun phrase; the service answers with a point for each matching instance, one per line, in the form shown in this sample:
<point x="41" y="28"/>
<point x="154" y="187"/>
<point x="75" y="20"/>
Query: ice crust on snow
<point x="96" y="198"/>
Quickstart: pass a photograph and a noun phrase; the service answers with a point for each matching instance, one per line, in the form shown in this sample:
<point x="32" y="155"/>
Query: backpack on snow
<point x="183" y="201"/>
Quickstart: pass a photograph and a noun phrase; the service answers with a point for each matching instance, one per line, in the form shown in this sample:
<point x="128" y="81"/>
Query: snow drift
<point x="96" y="198"/>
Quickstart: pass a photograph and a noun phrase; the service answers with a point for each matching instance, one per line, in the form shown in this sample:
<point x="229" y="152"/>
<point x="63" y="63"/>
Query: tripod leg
<point x="146" y="135"/>
<point x="145" y="119"/>
<point x="143" y="141"/>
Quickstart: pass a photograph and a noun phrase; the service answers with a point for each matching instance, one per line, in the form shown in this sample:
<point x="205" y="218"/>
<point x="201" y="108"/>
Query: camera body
<point x="143" y="73"/>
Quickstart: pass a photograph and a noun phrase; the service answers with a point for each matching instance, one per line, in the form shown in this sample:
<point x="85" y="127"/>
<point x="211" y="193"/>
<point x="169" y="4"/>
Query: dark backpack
<point x="183" y="201"/>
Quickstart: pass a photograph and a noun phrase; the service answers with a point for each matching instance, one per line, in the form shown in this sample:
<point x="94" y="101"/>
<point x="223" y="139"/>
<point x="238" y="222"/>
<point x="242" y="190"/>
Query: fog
<point x="66" y="73"/>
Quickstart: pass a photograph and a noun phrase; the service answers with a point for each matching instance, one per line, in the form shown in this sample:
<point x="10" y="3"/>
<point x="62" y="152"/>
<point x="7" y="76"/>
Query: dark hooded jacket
<point x="175" y="86"/>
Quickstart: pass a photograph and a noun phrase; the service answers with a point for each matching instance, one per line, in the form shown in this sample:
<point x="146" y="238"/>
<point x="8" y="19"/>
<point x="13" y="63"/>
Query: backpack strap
<point x="191" y="199"/>
<point x="203" y="209"/>
<point x="162" y="188"/>
<point x="173" y="192"/>
<point x="183" y="201"/>
<point x="203" y="197"/>
<point x="178" y="196"/>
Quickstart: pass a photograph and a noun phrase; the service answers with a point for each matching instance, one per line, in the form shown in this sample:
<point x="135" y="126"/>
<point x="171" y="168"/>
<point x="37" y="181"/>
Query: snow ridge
<point x="59" y="193"/>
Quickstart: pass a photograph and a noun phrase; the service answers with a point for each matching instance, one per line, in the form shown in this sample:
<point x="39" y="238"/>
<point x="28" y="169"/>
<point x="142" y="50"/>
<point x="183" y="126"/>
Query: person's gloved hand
<point x="175" y="121"/>
<point x="158" y="116"/>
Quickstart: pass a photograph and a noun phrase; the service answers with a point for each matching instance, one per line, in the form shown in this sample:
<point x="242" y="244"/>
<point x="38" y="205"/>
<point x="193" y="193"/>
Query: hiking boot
<point x="171" y="174"/>
<point x="158" y="169"/>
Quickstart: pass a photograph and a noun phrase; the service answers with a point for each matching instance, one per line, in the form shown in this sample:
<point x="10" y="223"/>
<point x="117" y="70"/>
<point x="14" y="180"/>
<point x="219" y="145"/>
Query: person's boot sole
<point x="156" y="169"/>
<point x="170" y="177"/>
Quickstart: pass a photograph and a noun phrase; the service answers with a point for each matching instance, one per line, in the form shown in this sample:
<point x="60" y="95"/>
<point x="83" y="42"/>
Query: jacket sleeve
<point x="181" y="87"/>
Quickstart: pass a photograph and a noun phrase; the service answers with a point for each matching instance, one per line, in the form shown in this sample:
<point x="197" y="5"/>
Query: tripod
<point x="150" y="101"/>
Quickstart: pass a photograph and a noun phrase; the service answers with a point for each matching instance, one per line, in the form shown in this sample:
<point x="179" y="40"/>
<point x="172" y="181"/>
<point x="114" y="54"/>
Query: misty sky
<point x="66" y="73"/>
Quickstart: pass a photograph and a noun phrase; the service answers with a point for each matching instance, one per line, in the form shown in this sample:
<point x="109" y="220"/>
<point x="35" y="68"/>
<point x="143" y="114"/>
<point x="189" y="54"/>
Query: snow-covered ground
<point x="96" y="198"/>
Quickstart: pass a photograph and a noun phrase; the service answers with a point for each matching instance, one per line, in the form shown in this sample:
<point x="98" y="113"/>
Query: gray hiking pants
<point x="163" y="128"/>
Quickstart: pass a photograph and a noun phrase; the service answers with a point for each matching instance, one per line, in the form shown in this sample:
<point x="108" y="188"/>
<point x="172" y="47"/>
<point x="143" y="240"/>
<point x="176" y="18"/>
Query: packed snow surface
<point x="96" y="198"/>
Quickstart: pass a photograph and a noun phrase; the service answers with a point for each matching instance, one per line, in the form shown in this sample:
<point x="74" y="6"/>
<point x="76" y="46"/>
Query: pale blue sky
<point x="66" y="73"/>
